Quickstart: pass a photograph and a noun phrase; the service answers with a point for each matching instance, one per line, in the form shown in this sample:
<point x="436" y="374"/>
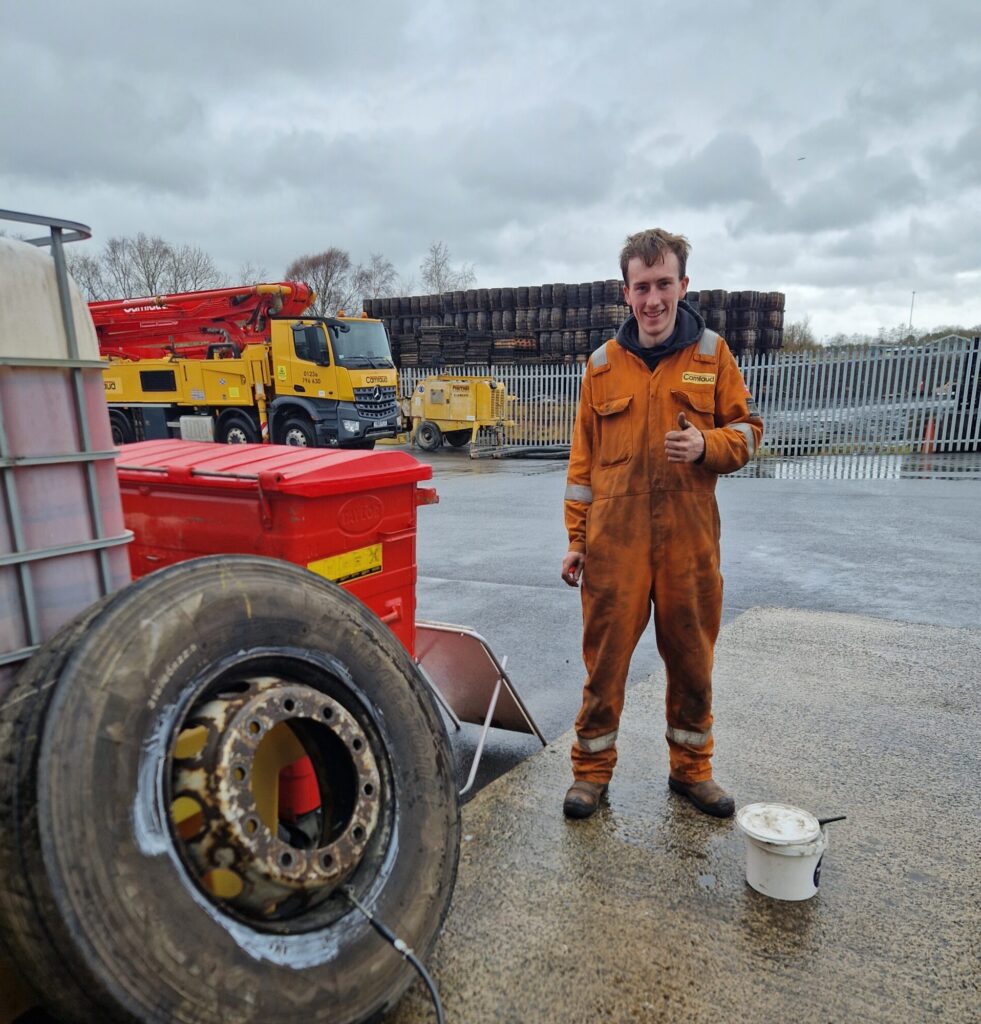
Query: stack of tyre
<point x="528" y="324"/>
<point x="553" y="323"/>
<point x="750" y="321"/>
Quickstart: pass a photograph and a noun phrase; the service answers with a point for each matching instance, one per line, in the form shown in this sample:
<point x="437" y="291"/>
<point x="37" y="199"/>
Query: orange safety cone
<point x="929" y="435"/>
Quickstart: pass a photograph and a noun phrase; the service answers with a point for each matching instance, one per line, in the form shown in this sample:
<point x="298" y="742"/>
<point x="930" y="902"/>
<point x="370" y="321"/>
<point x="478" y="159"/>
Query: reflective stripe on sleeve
<point x="597" y="743"/>
<point x="708" y="342"/>
<point x="747" y="431"/>
<point x="688" y="739"/>
<point x="579" y="492"/>
<point x="599" y="357"/>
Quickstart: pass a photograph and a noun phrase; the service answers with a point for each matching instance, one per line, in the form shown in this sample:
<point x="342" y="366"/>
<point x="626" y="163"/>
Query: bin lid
<point x="308" y="472"/>
<point x="779" y="824"/>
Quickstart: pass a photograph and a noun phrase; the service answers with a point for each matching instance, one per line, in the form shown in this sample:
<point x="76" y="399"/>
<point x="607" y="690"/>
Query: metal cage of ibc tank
<point x="37" y="607"/>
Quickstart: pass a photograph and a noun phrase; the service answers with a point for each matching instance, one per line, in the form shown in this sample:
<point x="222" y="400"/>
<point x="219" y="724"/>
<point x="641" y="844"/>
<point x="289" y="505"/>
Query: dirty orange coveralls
<point x="650" y="531"/>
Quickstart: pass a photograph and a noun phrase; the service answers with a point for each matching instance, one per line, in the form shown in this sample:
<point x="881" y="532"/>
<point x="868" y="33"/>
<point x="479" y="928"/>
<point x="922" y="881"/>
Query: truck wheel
<point x="428" y="436"/>
<point x="299" y="433"/>
<point x="122" y="427"/>
<point x="237" y="428"/>
<point x="458" y="438"/>
<point x="149" y="874"/>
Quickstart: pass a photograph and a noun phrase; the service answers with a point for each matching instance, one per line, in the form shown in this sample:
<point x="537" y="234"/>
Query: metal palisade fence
<point x="881" y="399"/>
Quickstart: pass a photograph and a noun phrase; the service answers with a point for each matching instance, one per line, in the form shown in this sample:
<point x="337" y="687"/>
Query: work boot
<point x="708" y="796"/>
<point x="583" y="798"/>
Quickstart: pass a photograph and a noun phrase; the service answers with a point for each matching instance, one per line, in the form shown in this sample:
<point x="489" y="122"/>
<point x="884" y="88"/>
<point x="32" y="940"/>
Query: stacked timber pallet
<point x="551" y="323"/>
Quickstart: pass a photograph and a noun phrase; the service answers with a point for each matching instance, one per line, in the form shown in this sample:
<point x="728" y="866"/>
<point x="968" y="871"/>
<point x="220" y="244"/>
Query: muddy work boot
<point x="709" y="797"/>
<point x="583" y="798"/>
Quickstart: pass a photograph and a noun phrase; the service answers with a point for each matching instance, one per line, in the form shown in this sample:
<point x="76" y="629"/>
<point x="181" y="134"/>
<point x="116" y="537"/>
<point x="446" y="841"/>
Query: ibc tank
<point x="61" y="532"/>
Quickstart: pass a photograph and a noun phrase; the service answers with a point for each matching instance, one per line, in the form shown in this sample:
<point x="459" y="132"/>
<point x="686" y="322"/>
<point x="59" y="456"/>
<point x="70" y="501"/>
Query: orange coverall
<point x="650" y="531"/>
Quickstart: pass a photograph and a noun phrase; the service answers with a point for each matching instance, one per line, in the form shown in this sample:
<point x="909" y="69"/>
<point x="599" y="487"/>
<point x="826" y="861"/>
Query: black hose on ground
<point x="389" y="936"/>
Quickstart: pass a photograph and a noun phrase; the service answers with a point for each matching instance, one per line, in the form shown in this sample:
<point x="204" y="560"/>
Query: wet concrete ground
<point x="642" y="913"/>
<point x="901" y="548"/>
<point x="855" y="691"/>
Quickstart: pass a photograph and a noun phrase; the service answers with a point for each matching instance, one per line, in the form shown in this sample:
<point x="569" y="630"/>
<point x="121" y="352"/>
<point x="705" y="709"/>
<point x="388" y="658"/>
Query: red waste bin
<point x="349" y="516"/>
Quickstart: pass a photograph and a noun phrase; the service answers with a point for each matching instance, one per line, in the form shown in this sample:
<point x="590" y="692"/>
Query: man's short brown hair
<point x="653" y="245"/>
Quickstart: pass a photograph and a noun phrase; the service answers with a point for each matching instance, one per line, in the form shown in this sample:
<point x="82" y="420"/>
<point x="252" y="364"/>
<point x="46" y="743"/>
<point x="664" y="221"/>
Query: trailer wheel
<point x="149" y="874"/>
<point x="298" y="432"/>
<point x="122" y="427"/>
<point x="237" y="428"/>
<point x="458" y="438"/>
<point x="428" y="436"/>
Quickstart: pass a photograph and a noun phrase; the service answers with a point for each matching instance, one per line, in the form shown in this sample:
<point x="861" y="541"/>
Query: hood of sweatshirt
<point x="688" y="327"/>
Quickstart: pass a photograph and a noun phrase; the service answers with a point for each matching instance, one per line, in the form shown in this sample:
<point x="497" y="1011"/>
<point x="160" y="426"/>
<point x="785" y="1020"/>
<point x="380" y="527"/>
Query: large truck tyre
<point x="148" y="875"/>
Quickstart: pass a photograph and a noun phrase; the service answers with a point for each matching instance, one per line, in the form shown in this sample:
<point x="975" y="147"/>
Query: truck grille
<point x="375" y="403"/>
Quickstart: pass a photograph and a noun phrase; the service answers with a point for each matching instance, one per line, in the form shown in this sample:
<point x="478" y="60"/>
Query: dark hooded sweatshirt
<point x="688" y="327"/>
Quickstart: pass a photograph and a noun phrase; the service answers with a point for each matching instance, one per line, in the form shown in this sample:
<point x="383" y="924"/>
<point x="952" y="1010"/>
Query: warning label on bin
<point x="349" y="566"/>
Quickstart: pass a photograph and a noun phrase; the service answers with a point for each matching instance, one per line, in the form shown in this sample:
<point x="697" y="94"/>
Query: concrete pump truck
<point x="243" y="365"/>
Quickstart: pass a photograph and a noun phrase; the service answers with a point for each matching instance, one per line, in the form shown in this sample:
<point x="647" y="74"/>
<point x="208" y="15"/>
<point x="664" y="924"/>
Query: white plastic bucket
<point x="784" y="849"/>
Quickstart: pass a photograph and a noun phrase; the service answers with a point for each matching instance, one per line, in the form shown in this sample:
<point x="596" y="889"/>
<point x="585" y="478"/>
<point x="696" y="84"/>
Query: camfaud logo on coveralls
<point x="698" y="378"/>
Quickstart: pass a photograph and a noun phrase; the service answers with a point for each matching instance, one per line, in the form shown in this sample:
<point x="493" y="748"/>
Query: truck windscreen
<point x="364" y="343"/>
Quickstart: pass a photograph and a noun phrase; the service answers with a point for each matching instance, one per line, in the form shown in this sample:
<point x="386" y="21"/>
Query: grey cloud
<point x="960" y="163"/>
<point x="729" y="169"/>
<point x="856" y="193"/>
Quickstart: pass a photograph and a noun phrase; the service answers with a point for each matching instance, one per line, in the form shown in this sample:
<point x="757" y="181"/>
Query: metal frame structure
<point x="59" y="232"/>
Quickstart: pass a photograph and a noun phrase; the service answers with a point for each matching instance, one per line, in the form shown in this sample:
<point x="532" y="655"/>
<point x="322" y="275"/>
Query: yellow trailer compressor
<point x="455" y="408"/>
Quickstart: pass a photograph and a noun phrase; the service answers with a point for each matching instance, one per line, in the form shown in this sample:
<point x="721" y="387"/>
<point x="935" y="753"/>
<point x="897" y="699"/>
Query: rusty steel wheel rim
<point x="224" y="763"/>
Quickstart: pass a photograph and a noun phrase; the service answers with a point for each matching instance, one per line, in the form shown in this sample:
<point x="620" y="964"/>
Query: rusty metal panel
<point x="461" y="665"/>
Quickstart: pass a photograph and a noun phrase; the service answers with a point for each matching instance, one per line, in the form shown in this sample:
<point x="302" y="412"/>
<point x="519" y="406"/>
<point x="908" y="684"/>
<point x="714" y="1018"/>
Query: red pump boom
<point x="188" y="324"/>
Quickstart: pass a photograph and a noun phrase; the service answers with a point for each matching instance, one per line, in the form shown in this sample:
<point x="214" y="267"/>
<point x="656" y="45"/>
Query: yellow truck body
<point x="317" y="382"/>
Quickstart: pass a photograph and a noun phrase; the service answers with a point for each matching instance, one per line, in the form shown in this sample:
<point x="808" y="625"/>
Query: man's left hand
<point x="686" y="444"/>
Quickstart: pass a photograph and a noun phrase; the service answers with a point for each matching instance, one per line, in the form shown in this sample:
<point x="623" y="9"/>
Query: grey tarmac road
<point x="489" y="554"/>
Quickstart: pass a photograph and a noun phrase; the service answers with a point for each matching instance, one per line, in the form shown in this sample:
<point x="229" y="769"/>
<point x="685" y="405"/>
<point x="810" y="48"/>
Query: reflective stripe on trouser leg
<point x="595" y="744"/>
<point x="688" y="739"/>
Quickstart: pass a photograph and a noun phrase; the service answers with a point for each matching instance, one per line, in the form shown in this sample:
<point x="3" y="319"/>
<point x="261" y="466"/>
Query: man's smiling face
<point x="653" y="294"/>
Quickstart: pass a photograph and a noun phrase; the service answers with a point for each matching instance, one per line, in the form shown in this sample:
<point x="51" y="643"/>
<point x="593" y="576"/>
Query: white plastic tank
<point x="62" y="537"/>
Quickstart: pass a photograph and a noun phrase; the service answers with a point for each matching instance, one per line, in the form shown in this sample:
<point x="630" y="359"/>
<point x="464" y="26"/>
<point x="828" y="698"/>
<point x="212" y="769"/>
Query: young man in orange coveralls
<point x="663" y="410"/>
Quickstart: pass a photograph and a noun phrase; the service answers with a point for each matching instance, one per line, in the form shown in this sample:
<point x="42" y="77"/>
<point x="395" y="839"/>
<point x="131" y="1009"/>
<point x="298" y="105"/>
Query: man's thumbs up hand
<point x="686" y="444"/>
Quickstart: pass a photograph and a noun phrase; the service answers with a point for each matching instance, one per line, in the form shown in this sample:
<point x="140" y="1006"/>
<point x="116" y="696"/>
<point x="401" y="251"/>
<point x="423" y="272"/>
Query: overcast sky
<point x="829" y="150"/>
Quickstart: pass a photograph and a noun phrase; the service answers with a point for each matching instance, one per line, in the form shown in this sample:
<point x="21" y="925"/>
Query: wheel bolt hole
<point x="357" y="744"/>
<point x="327" y="861"/>
<point x="368" y="789"/>
<point x="358" y="833"/>
<point x="328" y="713"/>
<point x="238" y="773"/>
<point x="286" y="860"/>
<point x="251" y="826"/>
<point x="288" y="704"/>
<point x="255" y="728"/>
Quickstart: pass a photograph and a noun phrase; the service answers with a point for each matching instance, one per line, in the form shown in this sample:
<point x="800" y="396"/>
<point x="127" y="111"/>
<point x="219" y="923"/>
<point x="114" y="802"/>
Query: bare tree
<point x="189" y="269"/>
<point x="251" y="273"/>
<point x="118" y="272"/>
<point x="150" y="257"/>
<point x="87" y="271"/>
<point x="798" y="336"/>
<point x="329" y="274"/>
<point x="439" y="274"/>
<point x="374" y="278"/>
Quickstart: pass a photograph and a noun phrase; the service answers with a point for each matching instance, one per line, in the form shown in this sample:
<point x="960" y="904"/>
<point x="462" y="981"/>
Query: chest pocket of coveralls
<point x="615" y="444"/>
<point x="698" y="406"/>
